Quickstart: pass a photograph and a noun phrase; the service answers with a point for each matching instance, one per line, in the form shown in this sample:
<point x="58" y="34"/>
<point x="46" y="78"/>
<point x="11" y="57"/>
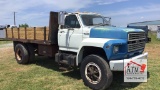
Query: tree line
<point x="23" y="25"/>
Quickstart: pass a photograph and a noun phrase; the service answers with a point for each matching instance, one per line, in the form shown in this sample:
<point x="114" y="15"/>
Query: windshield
<point x="92" y="20"/>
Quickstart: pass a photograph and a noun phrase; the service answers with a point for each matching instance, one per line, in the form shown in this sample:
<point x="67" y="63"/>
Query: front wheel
<point x="96" y="73"/>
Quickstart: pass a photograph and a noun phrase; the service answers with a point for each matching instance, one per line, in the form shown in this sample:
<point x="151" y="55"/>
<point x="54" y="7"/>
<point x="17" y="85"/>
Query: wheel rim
<point x="93" y="73"/>
<point x="19" y="54"/>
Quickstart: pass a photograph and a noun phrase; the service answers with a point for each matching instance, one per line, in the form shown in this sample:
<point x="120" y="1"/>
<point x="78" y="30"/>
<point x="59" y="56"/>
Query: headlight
<point x="115" y="49"/>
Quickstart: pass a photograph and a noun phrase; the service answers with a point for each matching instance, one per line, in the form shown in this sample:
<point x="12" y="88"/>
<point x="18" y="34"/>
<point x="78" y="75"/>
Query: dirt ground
<point x="6" y="50"/>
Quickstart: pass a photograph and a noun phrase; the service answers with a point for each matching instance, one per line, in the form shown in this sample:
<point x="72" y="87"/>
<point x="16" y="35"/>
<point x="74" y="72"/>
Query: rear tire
<point x="96" y="73"/>
<point x="21" y="54"/>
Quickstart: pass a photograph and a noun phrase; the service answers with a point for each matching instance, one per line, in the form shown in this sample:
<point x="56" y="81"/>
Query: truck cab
<point x="91" y="30"/>
<point x="77" y="25"/>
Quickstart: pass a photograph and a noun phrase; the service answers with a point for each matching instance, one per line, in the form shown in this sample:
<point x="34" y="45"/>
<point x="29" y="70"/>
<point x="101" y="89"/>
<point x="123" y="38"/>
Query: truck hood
<point x="112" y="32"/>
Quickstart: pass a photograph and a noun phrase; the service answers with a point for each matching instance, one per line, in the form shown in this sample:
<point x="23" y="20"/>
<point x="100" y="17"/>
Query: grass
<point x="43" y="74"/>
<point x="4" y="42"/>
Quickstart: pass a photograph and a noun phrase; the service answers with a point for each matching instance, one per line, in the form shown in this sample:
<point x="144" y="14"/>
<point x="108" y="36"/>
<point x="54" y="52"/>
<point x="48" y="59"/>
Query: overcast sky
<point x="36" y="12"/>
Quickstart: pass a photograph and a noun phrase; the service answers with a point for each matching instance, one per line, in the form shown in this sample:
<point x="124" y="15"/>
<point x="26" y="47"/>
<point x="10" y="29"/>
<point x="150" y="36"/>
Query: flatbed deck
<point x="39" y="35"/>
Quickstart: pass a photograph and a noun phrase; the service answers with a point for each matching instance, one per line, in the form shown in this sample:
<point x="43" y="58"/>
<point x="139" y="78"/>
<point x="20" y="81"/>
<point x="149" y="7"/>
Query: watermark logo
<point x="135" y="70"/>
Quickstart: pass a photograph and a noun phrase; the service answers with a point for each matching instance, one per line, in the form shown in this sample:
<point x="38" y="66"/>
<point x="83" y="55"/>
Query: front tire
<point x="96" y="73"/>
<point x="21" y="54"/>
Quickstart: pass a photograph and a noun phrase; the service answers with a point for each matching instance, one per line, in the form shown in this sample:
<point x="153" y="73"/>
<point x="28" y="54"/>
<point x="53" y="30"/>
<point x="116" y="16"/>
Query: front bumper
<point x="118" y="65"/>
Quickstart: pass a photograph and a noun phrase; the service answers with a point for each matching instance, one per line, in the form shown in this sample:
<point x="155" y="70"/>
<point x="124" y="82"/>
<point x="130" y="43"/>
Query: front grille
<point x="136" y="36"/>
<point x="136" y="41"/>
<point x="136" y="46"/>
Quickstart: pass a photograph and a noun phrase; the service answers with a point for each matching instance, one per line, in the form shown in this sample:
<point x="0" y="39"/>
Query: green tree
<point x="24" y="25"/>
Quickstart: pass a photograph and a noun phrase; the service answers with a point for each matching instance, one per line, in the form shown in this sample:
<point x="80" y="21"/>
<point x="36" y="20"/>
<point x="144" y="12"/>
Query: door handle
<point x="86" y="33"/>
<point x="61" y="31"/>
<point x="70" y="29"/>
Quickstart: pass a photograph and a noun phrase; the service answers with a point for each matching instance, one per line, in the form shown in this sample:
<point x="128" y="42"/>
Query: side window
<point x="71" y="21"/>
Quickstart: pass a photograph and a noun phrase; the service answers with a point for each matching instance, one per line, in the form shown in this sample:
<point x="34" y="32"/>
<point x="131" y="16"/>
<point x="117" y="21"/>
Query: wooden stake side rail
<point x="30" y="35"/>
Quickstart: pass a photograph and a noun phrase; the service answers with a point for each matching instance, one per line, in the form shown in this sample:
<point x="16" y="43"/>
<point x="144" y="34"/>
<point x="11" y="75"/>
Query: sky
<point x="36" y="12"/>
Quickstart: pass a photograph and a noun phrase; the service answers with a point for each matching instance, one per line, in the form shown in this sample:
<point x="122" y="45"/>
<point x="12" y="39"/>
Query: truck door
<point x="70" y="35"/>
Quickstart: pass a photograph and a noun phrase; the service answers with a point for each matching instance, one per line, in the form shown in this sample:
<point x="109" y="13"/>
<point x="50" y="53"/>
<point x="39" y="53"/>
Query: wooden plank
<point x="12" y="33"/>
<point x="9" y="32"/>
<point x="18" y="34"/>
<point x="30" y="41"/>
<point x="25" y="32"/>
<point x="34" y="33"/>
<point x="15" y="32"/>
<point x="45" y="33"/>
<point x="22" y="32"/>
<point x="6" y="33"/>
<point x="39" y="33"/>
<point x="30" y="33"/>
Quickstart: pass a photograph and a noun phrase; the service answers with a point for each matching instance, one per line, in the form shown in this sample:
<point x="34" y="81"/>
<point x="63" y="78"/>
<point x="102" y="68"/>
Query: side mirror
<point x="61" y="17"/>
<point x="108" y="19"/>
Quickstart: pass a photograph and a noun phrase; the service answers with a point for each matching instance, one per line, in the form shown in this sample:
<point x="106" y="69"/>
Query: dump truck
<point x="83" y="40"/>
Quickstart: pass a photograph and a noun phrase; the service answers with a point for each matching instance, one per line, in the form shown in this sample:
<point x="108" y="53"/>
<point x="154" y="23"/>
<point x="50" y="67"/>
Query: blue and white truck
<point x="83" y="40"/>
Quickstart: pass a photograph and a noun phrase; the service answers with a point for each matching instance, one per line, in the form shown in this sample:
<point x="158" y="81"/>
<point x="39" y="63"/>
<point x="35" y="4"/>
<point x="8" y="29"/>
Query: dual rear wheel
<point x="24" y="54"/>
